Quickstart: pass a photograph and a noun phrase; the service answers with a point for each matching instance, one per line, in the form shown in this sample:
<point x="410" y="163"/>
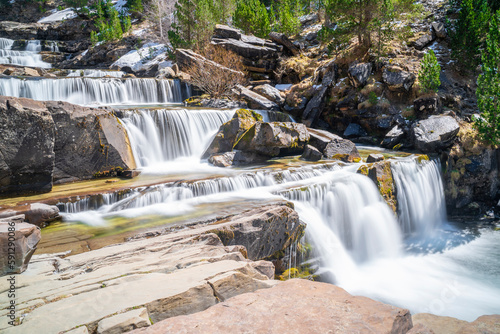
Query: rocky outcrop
<point x="425" y="106"/>
<point x="236" y="158"/>
<point x="379" y="171"/>
<point x="342" y="149"/>
<point x="188" y="58"/>
<point x="393" y="137"/>
<point x="486" y="324"/>
<point x="255" y="100"/>
<point x="274" y="139"/>
<point x="270" y="93"/>
<point x="42" y="142"/>
<point x="282" y="39"/>
<point x="124" y="322"/>
<point x="359" y="73"/>
<point x="300" y="306"/>
<point x="435" y="133"/>
<point x="397" y="79"/>
<point x="19" y="240"/>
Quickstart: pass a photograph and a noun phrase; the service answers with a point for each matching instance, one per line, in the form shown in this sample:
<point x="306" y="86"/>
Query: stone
<point x="283" y="87"/>
<point x="31" y="72"/>
<point x="271" y="93"/>
<point x="342" y="149"/>
<point x="420" y="329"/>
<point x="129" y="174"/>
<point x="224" y="31"/>
<point x="78" y="330"/>
<point x="236" y="158"/>
<point x="248" y="49"/>
<point x="207" y="102"/>
<point x="354" y="130"/>
<point x="487" y="324"/>
<point x="397" y="79"/>
<point x="359" y="73"/>
<point x="428" y="105"/>
<point x="311" y="153"/>
<point x="435" y="133"/>
<point x="300" y="306"/>
<point x="230" y="132"/>
<point x="282" y="39"/>
<point x="165" y="73"/>
<point x="373" y="157"/>
<point x="393" y="137"/>
<point x="423" y="41"/>
<point x="380" y="173"/>
<point x="439" y="29"/>
<point x="309" y="19"/>
<point x="188" y="58"/>
<point x="314" y="107"/>
<point x="255" y="100"/>
<point x="274" y="138"/>
<point x="321" y="138"/>
<point x="40" y="214"/>
<point x="124" y="322"/>
<point x="26" y="237"/>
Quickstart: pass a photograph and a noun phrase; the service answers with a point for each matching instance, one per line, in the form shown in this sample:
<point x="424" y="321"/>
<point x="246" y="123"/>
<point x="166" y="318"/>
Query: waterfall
<point x="420" y="195"/>
<point x="88" y="91"/>
<point x="95" y="73"/>
<point x="163" y="135"/>
<point x="29" y="57"/>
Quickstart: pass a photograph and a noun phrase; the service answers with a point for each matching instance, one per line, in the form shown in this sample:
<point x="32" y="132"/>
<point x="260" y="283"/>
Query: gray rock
<point x="282" y="39"/>
<point x="215" y="103"/>
<point x="274" y="138"/>
<point x="435" y="133"/>
<point x="26" y="238"/>
<point x="165" y="73"/>
<point x="428" y="105"/>
<point x="374" y="158"/>
<point x="124" y="322"/>
<point x="311" y="153"/>
<point x="255" y="100"/>
<point x="246" y="49"/>
<point x="223" y="31"/>
<point x="423" y="41"/>
<point x="320" y="138"/>
<point x="354" y="130"/>
<point x="439" y="29"/>
<point x="309" y="19"/>
<point x="271" y="93"/>
<point x="359" y="73"/>
<point x="40" y="214"/>
<point x="397" y="79"/>
<point x="393" y="137"/>
<point x="315" y="105"/>
<point x="236" y="158"/>
<point x="342" y="149"/>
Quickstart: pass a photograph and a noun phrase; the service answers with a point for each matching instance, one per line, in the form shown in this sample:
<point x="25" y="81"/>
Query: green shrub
<point x="251" y="16"/>
<point x="428" y="76"/>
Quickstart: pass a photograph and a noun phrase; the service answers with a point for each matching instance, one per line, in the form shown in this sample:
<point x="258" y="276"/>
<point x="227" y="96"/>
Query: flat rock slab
<point x="294" y="306"/>
<point x="486" y="324"/>
<point x="435" y="133"/>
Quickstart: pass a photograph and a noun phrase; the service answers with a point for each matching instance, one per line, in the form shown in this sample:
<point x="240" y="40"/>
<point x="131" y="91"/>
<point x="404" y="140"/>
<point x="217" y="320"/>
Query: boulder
<point x="486" y="324"/>
<point x="249" y="47"/>
<point x="311" y="153"/>
<point x="359" y="73"/>
<point x="373" y="157"/>
<point x="306" y="20"/>
<point x="22" y="238"/>
<point x="393" y="137"/>
<point x="255" y="100"/>
<point x="380" y="173"/>
<point x="124" y="322"/>
<point x="427" y="105"/>
<point x="342" y="149"/>
<point x="300" y="306"/>
<point x="271" y="93"/>
<point x="354" y="130"/>
<point x="236" y="158"/>
<point x="27" y="138"/>
<point x="274" y="138"/>
<point x="321" y="138"/>
<point x="224" y="31"/>
<point x="314" y="107"/>
<point x="230" y="132"/>
<point x="40" y="214"/>
<point x="423" y="41"/>
<point x="439" y="29"/>
<point x="165" y="73"/>
<point x="435" y="133"/>
<point x="282" y="39"/>
<point x="397" y="79"/>
<point x="31" y="72"/>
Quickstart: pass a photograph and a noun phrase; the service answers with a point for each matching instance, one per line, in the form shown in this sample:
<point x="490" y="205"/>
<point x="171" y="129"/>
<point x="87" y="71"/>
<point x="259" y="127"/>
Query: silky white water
<point x="95" y="73"/>
<point x="29" y="57"/>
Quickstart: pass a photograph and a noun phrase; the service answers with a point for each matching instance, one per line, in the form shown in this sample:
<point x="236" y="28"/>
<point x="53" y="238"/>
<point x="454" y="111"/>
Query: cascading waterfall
<point x="29" y="57"/>
<point x="95" y="73"/>
<point x="162" y="135"/>
<point x="88" y="91"/>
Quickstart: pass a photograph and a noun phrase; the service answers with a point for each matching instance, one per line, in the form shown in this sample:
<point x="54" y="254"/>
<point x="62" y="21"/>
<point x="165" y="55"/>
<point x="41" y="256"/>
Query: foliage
<point x="251" y="16"/>
<point x="135" y="6"/>
<point x="80" y="6"/>
<point x="286" y="17"/>
<point x="372" y="98"/>
<point x="335" y="38"/>
<point x="4" y="4"/>
<point x="109" y="22"/>
<point x="488" y="90"/>
<point x="218" y="76"/>
<point x="428" y="76"/>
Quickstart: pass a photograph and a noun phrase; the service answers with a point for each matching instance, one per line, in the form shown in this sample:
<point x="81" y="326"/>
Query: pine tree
<point x="488" y="86"/>
<point x="223" y="10"/>
<point x="428" y="76"/>
<point x="287" y="20"/>
<point x="251" y="16"/>
<point x="184" y="25"/>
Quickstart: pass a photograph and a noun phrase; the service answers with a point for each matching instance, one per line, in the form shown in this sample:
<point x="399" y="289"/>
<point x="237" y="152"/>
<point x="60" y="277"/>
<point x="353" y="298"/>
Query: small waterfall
<point x="163" y="135"/>
<point x="29" y="57"/>
<point x="95" y="73"/>
<point x="88" y="91"/>
<point x="420" y="195"/>
<point x="34" y="46"/>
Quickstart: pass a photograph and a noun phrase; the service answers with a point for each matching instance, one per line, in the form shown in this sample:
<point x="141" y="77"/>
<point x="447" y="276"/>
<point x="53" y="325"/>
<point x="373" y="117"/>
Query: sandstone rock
<point x="342" y="149"/>
<point x="271" y="93"/>
<point x="124" y="322"/>
<point x="423" y="41"/>
<point x="236" y="158"/>
<point x="311" y="153"/>
<point x="25" y="239"/>
<point x="255" y="100"/>
<point x="420" y="329"/>
<point x="427" y="105"/>
<point x="283" y="40"/>
<point x="274" y="139"/>
<point x="435" y="133"/>
<point x="354" y="130"/>
<point x="79" y="330"/>
<point x="393" y="137"/>
<point x="396" y="79"/>
<point x="300" y="306"/>
<point x="31" y="72"/>
<point x="488" y="324"/>
<point x="359" y="73"/>
<point x="230" y="132"/>
<point x="40" y="214"/>
<point x="439" y="29"/>
<point x="374" y="158"/>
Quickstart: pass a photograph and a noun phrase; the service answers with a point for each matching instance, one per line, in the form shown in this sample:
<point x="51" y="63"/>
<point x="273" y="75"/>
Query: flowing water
<point x="28" y="57"/>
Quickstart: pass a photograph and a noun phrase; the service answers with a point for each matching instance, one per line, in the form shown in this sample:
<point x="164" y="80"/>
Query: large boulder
<point x="397" y="79"/>
<point x="236" y="158"/>
<point x="311" y="153"/>
<point x="486" y="324"/>
<point x="282" y="39"/>
<point x="256" y="100"/>
<point x="271" y="93"/>
<point x="354" y="130"/>
<point x="40" y="214"/>
<point x="393" y="137"/>
<point x="230" y="132"/>
<point x="300" y="306"/>
<point x="342" y="149"/>
<point x="439" y="29"/>
<point x="314" y="107"/>
<point x="321" y="138"/>
<point x="27" y="137"/>
<point x="22" y="239"/>
<point x="423" y="41"/>
<point x="435" y="133"/>
<point x="274" y="138"/>
<point x="359" y="73"/>
<point x="427" y="105"/>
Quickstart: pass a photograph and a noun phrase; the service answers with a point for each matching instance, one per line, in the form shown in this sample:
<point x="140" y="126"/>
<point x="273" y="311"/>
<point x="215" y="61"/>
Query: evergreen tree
<point x="488" y="86"/>
<point x="135" y="6"/>
<point x="251" y="16"/>
<point x="287" y="19"/>
<point x="184" y="26"/>
<point x="223" y="10"/>
<point x="428" y="76"/>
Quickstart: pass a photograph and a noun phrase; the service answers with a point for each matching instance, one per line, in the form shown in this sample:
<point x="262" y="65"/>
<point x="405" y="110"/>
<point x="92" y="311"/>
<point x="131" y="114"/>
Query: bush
<point x="251" y="16"/>
<point x="220" y="75"/>
<point x="428" y="76"/>
<point x="287" y="17"/>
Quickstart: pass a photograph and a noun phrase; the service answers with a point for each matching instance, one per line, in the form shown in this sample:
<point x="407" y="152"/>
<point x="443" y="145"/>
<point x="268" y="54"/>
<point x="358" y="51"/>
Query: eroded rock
<point x="435" y="133"/>
<point x="397" y="79"/>
<point x="25" y="239"/>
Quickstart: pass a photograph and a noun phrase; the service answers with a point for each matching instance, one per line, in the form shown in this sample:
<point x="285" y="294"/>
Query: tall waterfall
<point x="29" y="57"/>
<point x="88" y="91"/>
<point x="163" y="135"/>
